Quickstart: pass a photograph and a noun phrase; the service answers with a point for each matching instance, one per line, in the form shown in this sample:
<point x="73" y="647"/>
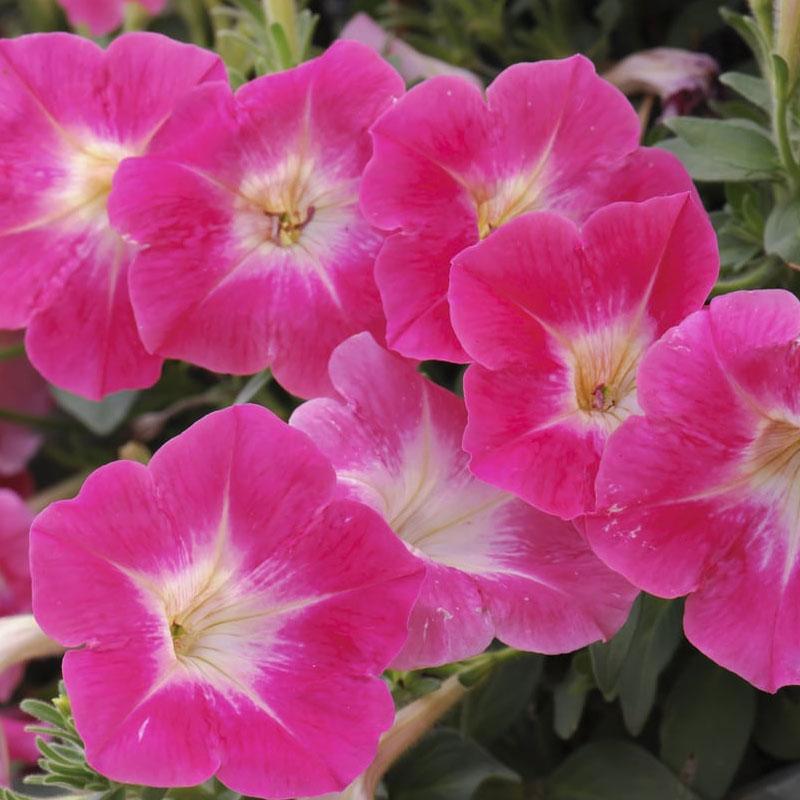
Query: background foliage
<point x="644" y="717"/>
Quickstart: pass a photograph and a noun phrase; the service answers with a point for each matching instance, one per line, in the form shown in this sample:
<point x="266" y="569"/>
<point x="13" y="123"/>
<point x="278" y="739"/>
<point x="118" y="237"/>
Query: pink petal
<point x="348" y="712"/>
<point x="148" y="729"/>
<point x="93" y="306"/>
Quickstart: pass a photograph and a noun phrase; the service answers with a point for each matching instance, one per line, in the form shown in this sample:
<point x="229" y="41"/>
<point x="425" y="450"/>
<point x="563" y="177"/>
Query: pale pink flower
<point x="69" y="113"/>
<point x="701" y="495"/>
<point x="494" y="566"/>
<point x="680" y="78"/>
<point x="22" y="390"/>
<point x="410" y="63"/>
<point x="15" y="580"/>
<point x="104" y="16"/>
<point x="451" y="167"/>
<point x="558" y="318"/>
<point x="255" y="253"/>
<point x="226" y="615"/>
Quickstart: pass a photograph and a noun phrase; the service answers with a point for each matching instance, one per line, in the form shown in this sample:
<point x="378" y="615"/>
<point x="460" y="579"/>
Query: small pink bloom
<point x="24" y="391"/>
<point x="21" y="744"/>
<point x="557" y="320"/>
<point x="255" y="251"/>
<point x="69" y="113"/>
<point x="681" y="78"/>
<point x="701" y="496"/>
<point x="103" y="16"/>
<point x="449" y="168"/>
<point x="495" y="566"/>
<point x="411" y="64"/>
<point x="228" y="615"/>
<point x="15" y="581"/>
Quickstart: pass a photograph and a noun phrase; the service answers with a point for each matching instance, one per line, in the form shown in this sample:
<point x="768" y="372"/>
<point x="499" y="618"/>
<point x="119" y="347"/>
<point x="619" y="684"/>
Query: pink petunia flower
<point x="229" y="616"/>
<point x="701" y="495"/>
<point x="69" y="113"/>
<point x="681" y="78"/>
<point x="449" y="168"/>
<point x="494" y="566"/>
<point x="104" y="16"/>
<point x="15" y="581"/>
<point x="21" y="744"/>
<point x="255" y="253"/>
<point x="21" y="390"/>
<point x="410" y="63"/>
<point x="557" y="319"/>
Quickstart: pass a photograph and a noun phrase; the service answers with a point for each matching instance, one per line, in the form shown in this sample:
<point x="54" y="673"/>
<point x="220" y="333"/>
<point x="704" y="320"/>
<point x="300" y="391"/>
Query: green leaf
<point x="778" y="724"/>
<point x="569" y="697"/>
<point x="608" y="658"/>
<point x="782" y="231"/>
<point x="723" y="150"/>
<point x="707" y="722"/>
<point x="752" y="88"/>
<point x="102" y="417"/>
<point x="748" y="29"/>
<point x="783" y="785"/>
<point x="445" y="767"/>
<point x="657" y="635"/>
<point x="611" y="770"/>
<point x="43" y="711"/>
<point x="491" y="708"/>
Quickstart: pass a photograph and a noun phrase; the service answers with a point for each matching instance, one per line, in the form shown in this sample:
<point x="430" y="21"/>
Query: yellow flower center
<point x="604" y="365"/>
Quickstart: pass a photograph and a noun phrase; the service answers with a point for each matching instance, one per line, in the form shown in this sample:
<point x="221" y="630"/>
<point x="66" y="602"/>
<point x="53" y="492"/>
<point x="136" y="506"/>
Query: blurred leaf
<point x="708" y="719"/>
<point x="657" y="635"/>
<point x="783" y="785"/>
<point x="723" y="150"/>
<point x="444" y="766"/>
<point x="778" y="724"/>
<point x="612" y="770"/>
<point x="782" y="231"/>
<point x="101" y="418"/>
<point x="750" y="87"/>
<point x="493" y="707"/>
<point x="569" y="697"/>
<point x="608" y="658"/>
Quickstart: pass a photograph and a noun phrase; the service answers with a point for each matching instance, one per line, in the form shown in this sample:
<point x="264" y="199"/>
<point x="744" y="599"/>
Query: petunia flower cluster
<point x="229" y="608"/>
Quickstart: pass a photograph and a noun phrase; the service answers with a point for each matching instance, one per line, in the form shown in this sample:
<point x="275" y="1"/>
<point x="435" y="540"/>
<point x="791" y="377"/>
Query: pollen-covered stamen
<point x="91" y="171"/>
<point x="604" y="365"/>
<point x="293" y="205"/>
<point x="507" y="199"/>
<point x="772" y="466"/>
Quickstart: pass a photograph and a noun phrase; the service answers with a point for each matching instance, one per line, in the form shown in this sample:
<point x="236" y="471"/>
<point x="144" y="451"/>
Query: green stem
<point x="781" y="127"/>
<point x="29" y="420"/>
<point x="12" y="351"/>
<point x="284" y="14"/>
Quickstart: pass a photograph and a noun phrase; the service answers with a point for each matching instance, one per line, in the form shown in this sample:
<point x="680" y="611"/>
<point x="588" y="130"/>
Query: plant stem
<point x="29" y="420"/>
<point x="781" y="127"/>
<point x="12" y="351"/>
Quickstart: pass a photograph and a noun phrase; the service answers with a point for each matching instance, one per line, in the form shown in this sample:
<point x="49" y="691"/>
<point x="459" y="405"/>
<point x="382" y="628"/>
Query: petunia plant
<point x="378" y="419"/>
